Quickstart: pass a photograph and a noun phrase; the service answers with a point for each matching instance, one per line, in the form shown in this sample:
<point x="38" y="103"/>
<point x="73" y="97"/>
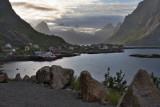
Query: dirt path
<point x="26" y="94"/>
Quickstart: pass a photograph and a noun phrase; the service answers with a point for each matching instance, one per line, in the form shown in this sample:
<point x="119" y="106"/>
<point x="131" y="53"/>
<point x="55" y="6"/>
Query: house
<point x="51" y="48"/>
<point x="35" y="46"/>
<point x="71" y="48"/>
<point x="11" y="54"/>
<point x="8" y="46"/>
<point x="27" y="48"/>
<point x="59" y="47"/>
<point x="13" y="50"/>
<point x="29" y="45"/>
<point x="105" y="47"/>
<point x="115" y="47"/>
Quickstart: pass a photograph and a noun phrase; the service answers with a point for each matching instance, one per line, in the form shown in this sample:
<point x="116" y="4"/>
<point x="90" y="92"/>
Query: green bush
<point x="117" y="83"/>
<point x="114" y="97"/>
<point x="75" y="82"/>
<point x="156" y="80"/>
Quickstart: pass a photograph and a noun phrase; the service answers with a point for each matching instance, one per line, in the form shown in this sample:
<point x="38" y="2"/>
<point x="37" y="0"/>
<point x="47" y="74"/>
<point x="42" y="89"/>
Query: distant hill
<point x="16" y="31"/>
<point x="101" y="35"/>
<point x="73" y="37"/>
<point x="42" y="27"/>
<point x="142" y="27"/>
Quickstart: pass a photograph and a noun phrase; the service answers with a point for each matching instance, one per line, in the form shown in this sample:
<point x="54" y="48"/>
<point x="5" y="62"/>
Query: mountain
<point x="16" y="31"/>
<point x="74" y="37"/>
<point x="43" y="28"/>
<point x="142" y="27"/>
<point x="117" y="27"/>
<point x="101" y="35"/>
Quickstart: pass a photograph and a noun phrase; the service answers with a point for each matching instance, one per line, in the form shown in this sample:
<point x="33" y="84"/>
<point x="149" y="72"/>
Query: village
<point x="52" y="53"/>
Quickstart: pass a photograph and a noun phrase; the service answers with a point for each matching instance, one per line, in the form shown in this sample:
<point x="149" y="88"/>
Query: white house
<point x="8" y="46"/>
<point x="105" y="47"/>
<point x="27" y="48"/>
<point x="35" y="46"/>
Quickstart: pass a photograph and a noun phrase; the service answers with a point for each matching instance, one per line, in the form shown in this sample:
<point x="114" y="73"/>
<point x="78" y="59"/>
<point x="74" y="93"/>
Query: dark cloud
<point x="31" y="6"/>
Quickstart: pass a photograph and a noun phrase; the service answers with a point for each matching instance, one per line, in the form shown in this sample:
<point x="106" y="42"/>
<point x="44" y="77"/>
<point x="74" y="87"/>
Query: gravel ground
<point x="27" y="94"/>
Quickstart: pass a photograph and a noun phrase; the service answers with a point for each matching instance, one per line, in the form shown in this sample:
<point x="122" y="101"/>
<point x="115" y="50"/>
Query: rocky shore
<point x="145" y="56"/>
<point x="50" y="87"/>
<point x="30" y="58"/>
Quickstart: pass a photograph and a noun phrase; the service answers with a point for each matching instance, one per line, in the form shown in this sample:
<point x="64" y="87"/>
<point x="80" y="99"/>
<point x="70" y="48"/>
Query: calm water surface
<point x="96" y="64"/>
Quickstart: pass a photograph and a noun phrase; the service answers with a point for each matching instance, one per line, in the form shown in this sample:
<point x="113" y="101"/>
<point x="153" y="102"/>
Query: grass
<point x="75" y="83"/>
<point x="11" y="79"/>
<point x="114" y="97"/>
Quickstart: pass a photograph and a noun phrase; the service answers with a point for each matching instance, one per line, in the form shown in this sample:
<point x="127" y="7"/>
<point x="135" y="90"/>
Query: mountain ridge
<point x="16" y="31"/>
<point x="42" y="27"/>
<point x="141" y="27"/>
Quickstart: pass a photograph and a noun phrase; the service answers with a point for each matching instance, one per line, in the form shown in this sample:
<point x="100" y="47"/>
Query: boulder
<point x="33" y="78"/>
<point x="18" y="77"/>
<point x="141" y="92"/>
<point x="60" y="77"/>
<point x="3" y="77"/>
<point x="26" y="78"/>
<point x="91" y="89"/>
<point x="56" y="76"/>
<point x="43" y="75"/>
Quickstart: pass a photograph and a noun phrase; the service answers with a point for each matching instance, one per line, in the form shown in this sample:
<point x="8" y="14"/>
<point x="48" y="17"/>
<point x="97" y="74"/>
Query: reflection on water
<point x="96" y="64"/>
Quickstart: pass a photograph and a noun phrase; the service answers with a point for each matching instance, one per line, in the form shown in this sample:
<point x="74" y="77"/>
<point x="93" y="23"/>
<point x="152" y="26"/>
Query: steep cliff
<point x="142" y="27"/>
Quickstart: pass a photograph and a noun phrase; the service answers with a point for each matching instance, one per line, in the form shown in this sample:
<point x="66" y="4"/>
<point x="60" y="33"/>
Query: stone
<point x="56" y="76"/>
<point x="60" y="77"/>
<point x="43" y="75"/>
<point x="26" y="78"/>
<point x="3" y="77"/>
<point x="18" y="77"/>
<point x="91" y="89"/>
<point x="33" y="78"/>
<point x="141" y="92"/>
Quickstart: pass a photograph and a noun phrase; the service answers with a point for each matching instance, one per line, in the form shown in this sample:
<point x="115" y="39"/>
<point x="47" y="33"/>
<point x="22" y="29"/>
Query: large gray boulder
<point x="91" y="89"/>
<point x="141" y="92"/>
<point x="43" y="75"/>
<point x="26" y="78"/>
<point x="60" y="77"/>
<point x="33" y="78"/>
<point x="18" y="77"/>
<point x="56" y="76"/>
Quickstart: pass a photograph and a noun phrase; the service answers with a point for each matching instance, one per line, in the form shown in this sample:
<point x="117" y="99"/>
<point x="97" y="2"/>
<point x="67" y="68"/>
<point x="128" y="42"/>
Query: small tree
<point x="117" y="83"/>
<point x="156" y="80"/>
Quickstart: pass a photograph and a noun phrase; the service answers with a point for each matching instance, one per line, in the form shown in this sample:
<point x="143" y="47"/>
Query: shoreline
<point x="30" y="58"/>
<point x="36" y="58"/>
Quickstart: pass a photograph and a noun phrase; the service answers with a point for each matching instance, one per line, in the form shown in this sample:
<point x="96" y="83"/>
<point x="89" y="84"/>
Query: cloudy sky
<point x="86" y="13"/>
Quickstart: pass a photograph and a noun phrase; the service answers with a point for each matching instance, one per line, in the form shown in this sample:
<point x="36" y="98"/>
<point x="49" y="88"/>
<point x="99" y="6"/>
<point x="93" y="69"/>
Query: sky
<point x="86" y="13"/>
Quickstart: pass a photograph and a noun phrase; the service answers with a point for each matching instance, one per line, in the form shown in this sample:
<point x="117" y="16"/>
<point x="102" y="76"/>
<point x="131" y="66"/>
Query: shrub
<point x="117" y="83"/>
<point x="75" y="82"/>
<point x="114" y="97"/>
<point x="156" y="80"/>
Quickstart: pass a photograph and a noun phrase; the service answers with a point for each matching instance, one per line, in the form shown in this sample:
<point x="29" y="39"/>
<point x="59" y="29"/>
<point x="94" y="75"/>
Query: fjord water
<point x="96" y="64"/>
